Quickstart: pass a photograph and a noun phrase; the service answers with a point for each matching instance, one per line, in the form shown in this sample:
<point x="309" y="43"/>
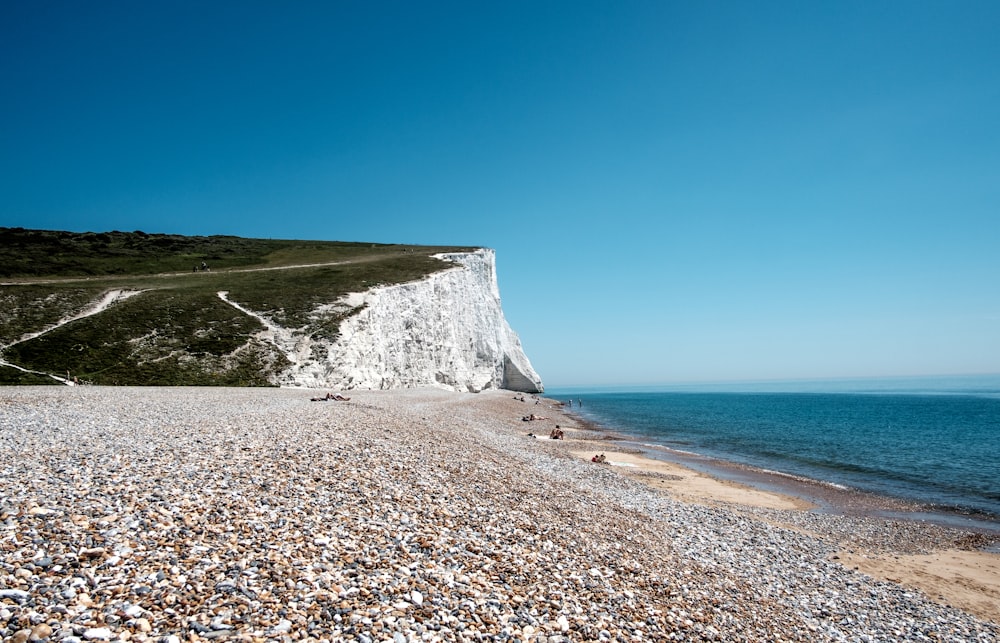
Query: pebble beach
<point x="182" y="514"/>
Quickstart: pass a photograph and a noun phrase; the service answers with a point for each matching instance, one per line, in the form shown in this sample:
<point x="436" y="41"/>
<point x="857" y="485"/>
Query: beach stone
<point x="18" y="595"/>
<point x="97" y="634"/>
<point x="40" y="632"/>
<point x="258" y="515"/>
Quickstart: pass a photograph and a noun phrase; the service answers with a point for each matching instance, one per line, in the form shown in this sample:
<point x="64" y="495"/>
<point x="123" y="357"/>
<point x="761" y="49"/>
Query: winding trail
<point x="280" y="337"/>
<point x="100" y="305"/>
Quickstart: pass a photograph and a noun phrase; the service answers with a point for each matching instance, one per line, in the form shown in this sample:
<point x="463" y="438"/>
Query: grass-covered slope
<point x="176" y="331"/>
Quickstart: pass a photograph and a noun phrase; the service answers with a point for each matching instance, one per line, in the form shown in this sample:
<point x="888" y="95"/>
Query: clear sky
<point x="676" y="191"/>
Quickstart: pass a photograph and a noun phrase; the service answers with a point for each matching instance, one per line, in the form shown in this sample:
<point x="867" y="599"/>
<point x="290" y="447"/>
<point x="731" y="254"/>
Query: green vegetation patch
<point x="159" y="337"/>
<point x="31" y="308"/>
<point x="51" y="253"/>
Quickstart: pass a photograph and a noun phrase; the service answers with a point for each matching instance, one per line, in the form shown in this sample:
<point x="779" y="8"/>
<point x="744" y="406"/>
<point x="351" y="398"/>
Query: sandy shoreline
<point x="419" y="515"/>
<point x="803" y="492"/>
<point x="968" y="578"/>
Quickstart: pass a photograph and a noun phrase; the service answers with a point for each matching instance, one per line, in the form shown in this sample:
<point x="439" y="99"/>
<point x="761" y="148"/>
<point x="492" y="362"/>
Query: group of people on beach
<point x="521" y="398"/>
<point x="557" y="433"/>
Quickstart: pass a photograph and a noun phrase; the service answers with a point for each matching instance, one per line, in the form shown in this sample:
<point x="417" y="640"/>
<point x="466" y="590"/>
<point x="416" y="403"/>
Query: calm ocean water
<point x="934" y="441"/>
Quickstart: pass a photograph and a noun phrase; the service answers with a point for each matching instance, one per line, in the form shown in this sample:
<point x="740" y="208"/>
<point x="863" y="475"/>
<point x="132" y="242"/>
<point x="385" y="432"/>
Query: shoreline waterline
<point x="932" y="456"/>
<point x="831" y="497"/>
<point x="819" y="495"/>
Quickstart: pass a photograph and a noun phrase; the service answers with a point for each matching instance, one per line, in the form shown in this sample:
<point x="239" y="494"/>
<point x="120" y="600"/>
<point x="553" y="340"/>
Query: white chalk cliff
<point x="446" y="330"/>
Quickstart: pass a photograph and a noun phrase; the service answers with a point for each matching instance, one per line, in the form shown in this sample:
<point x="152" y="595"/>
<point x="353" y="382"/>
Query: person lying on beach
<point x="330" y="396"/>
<point x="532" y="418"/>
<point x="556" y="434"/>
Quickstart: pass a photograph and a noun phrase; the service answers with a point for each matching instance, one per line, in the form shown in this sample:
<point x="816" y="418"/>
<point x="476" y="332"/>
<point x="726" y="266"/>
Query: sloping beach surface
<point x="255" y="514"/>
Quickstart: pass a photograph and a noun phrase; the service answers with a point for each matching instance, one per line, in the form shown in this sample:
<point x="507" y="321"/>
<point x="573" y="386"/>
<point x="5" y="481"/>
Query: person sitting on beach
<point x="330" y="396"/>
<point x="600" y="459"/>
<point x="556" y="434"/>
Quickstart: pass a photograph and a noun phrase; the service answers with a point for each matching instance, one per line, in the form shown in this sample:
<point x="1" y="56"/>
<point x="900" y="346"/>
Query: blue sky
<point x="676" y="191"/>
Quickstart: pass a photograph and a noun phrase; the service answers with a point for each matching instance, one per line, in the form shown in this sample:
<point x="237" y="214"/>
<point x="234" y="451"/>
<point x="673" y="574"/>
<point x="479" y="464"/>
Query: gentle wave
<point x="825" y="483"/>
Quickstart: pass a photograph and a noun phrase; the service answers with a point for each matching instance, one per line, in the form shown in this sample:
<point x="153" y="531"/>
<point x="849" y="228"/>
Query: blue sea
<point x="933" y="441"/>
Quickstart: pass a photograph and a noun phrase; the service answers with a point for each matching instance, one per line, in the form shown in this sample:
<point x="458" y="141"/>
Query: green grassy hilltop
<point x="171" y="327"/>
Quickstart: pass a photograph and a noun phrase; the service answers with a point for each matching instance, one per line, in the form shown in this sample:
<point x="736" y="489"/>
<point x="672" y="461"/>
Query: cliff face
<point x="447" y="330"/>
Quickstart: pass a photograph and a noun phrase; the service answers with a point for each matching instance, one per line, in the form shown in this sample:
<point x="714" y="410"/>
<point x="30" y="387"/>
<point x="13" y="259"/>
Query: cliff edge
<point x="446" y="330"/>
